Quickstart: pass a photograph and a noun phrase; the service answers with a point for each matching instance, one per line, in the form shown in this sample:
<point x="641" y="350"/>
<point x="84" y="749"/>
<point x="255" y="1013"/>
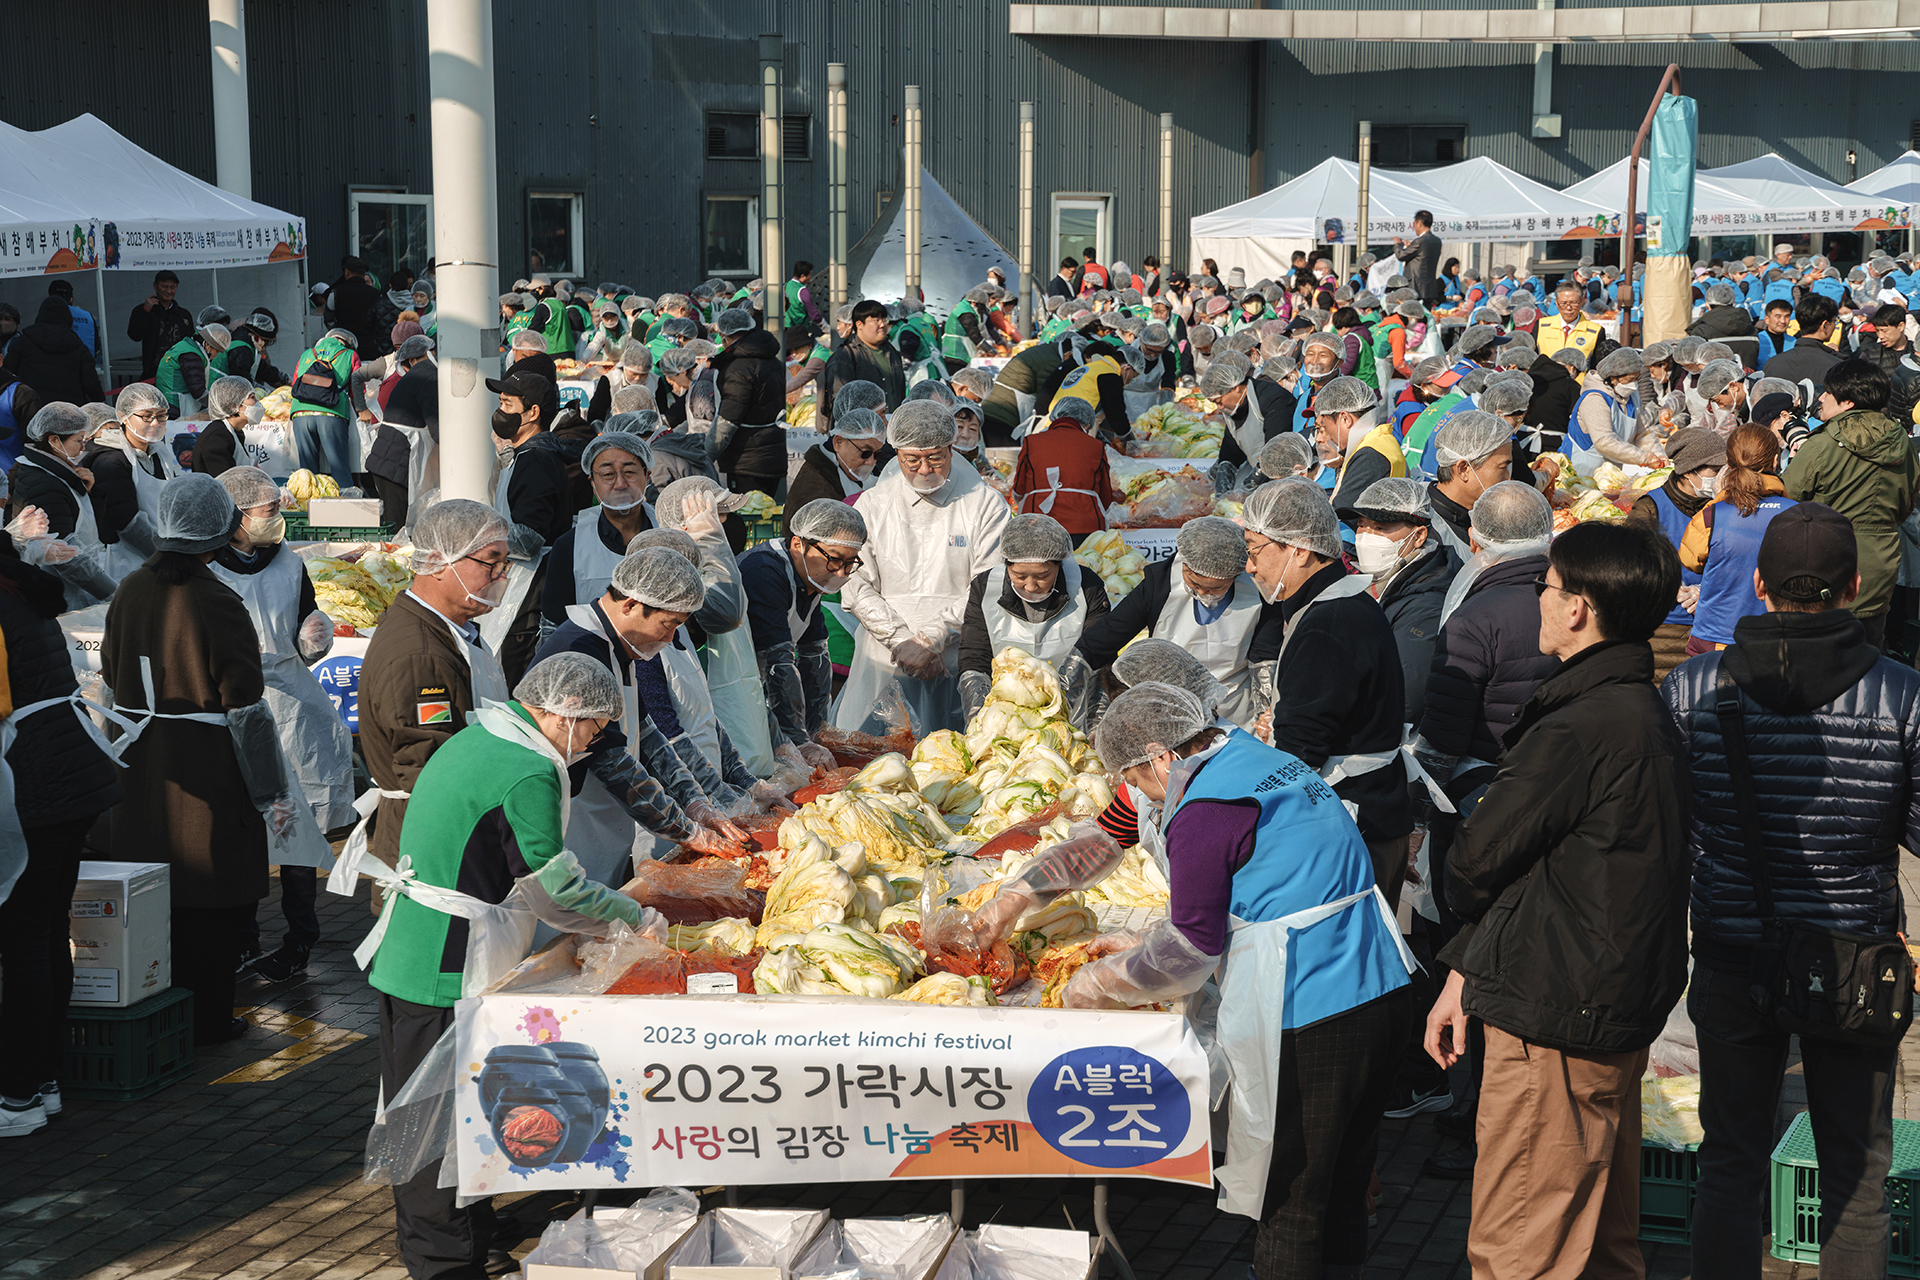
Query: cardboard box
<point x="122" y="918"/>
<point x="343" y="513"/>
<point x="718" y="1230"/>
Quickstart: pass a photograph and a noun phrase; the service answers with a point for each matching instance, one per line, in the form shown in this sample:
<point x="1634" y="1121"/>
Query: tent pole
<point x="836" y="189"/>
<point x="911" y="189"/>
<point x="773" y="270"/>
<point x="1166" y="193"/>
<point x="100" y="326"/>
<point x="1027" y="317"/>
<point x="214" y="272"/>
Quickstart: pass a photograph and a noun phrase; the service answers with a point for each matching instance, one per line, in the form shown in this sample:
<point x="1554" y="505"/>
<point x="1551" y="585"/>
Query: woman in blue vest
<point x="1272" y="888"/>
<point x="1698" y="455"/>
<point x="1722" y="543"/>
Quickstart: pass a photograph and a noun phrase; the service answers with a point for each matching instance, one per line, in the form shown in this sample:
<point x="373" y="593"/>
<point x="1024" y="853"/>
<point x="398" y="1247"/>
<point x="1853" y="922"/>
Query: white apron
<point x="91" y="565"/>
<point x="733" y="683"/>
<point x="593" y="563"/>
<point x="601" y="833"/>
<point x="1251" y="435"/>
<point x="692" y="700"/>
<point x="316" y="743"/>
<point x="1049" y="641"/>
<point x="496" y="622"/>
<point x="147" y="490"/>
<point x="1222" y="644"/>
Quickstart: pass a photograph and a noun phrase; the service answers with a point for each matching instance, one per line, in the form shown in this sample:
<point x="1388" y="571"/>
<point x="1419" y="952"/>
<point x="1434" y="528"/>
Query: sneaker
<point x="50" y="1098"/>
<point x="18" y="1119"/>
<point x="1455" y="1163"/>
<point x="287" y="962"/>
<point x="248" y="954"/>
<point x="1411" y="1100"/>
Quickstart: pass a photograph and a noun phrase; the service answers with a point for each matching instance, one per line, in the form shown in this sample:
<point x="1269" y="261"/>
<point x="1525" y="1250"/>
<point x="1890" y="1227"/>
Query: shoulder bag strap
<point x="1733" y="736"/>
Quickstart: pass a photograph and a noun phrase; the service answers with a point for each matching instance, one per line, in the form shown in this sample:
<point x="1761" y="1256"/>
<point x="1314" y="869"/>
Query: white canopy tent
<point x="79" y="197"/>
<point x="1494" y="196"/>
<point x="954" y="253"/>
<point x="1759" y="196"/>
<point x="1895" y="183"/>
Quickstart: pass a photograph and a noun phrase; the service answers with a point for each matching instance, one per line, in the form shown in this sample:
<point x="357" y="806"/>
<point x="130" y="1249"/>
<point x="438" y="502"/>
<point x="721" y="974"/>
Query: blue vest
<point x="1828" y="287"/>
<point x="1577" y="437"/>
<point x="16" y="441"/>
<point x="1733" y="553"/>
<point x="1306" y="852"/>
<point x="1430" y="452"/>
<point x="1673" y="523"/>
<point x="83" y="327"/>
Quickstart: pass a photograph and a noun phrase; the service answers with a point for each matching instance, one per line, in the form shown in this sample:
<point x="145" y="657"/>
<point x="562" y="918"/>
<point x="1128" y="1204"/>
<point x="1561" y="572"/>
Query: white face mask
<point x="966" y="438"/>
<point x="649" y="651"/>
<point x="497" y="590"/>
<point x="621" y="500"/>
<point x="1273" y="596"/>
<point x="1375" y="553"/>
<point x="256" y="412"/>
<point x="263" y="530"/>
<point x="926" y="484"/>
<point x="1706" y="486"/>
<point x="1209" y="601"/>
<point x="1039" y="598"/>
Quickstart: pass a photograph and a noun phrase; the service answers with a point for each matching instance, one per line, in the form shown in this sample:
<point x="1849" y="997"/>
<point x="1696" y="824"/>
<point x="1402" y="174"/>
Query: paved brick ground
<point x="250" y="1168"/>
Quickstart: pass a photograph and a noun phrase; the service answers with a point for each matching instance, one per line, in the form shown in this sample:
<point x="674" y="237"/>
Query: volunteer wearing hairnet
<point x="1723" y="392"/>
<point x="203" y="785"/>
<point x="1062" y="471"/>
<point x="787" y="582"/>
<point x="128" y="477"/>
<point x="1258" y="409"/>
<point x="272" y="583"/>
<point x="617" y="464"/>
<point x="188" y="366"/>
<point x="1473" y="451"/>
<point x="1204" y="601"/>
<point x="932" y="527"/>
<point x="1607" y="418"/>
<point x="1698" y="458"/>
<point x="1349" y="434"/>
<point x="1040" y="600"/>
<point x="1101" y="378"/>
<point x="49" y="478"/>
<point x="1280" y="889"/>
<point x="486" y="865"/>
<point x="1338" y="688"/>
<point x="841" y="467"/>
<point x="221" y="444"/>
<point x="1395" y="545"/>
<point x="635" y="796"/>
<point x="426" y="668"/>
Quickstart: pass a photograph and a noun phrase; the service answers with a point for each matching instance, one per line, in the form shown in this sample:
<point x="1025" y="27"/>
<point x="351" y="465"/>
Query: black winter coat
<point x="1899" y="366"/>
<point x="1139" y="610"/>
<point x="819" y="477"/>
<point x="48" y="356"/>
<point x="976" y="644"/>
<point x="1412" y="603"/>
<point x="1833" y="740"/>
<point x="752" y="382"/>
<point x="1554" y="393"/>
<point x="415" y="401"/>
<point x="49" y="484"/>
<point x="1487" y="662"/>
<point x="1572" y="873"/>
<point x="59" y="775"/>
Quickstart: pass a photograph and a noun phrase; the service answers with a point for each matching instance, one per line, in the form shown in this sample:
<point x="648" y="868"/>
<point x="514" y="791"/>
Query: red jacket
<point x="1061" y="459"/>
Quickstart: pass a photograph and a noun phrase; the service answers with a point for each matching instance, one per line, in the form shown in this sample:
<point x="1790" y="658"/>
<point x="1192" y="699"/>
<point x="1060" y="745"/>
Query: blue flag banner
<point x="1676" y="135"/>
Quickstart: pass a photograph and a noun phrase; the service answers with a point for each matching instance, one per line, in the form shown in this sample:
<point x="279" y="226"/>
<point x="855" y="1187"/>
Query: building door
<point x="1080" y="222"/>
<point x="390" y="229"/>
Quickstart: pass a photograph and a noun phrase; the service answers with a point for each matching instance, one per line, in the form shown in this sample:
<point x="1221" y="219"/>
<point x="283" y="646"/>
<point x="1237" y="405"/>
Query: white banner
<point x="644" y="1091"/>
<point x="1152" y="544"/>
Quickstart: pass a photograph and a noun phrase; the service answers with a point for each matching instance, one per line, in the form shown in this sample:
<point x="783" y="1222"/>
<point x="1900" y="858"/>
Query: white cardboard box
<point x="1067" y="1246"/>
<point x="343" y="513"/>
<point x="122" y="919"/>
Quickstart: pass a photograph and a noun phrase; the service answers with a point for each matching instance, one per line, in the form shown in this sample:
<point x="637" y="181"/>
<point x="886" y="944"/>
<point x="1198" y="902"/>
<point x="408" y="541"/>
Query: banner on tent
<point x="230" y="244"/>
<point x="39" y="248"/>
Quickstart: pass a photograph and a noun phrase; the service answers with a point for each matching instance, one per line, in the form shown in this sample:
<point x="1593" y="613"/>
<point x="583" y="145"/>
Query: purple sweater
<point x="1207" y="841"/>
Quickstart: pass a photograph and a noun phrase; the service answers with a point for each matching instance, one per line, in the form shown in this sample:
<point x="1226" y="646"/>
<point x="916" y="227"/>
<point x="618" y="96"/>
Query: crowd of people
<point x="1457" y="804"/>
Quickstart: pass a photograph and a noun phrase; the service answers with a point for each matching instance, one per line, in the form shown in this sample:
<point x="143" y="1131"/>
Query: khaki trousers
<point x="1556" y="1186"/>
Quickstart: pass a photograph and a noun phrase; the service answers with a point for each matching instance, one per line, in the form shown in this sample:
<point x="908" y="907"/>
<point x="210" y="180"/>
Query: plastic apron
<point x="312" y="736"/>
<point x="692" y="700"/>
<point x="601" y="833"/>
<point x="146" y="489"/>
<point x="593" y="563"/>
<point x="1049" y="641"/>
<point x="89" y="569"/>
<point x="496" y="622"/>
<point x="1251" y="435"/>
<point x="1222" y="644"/>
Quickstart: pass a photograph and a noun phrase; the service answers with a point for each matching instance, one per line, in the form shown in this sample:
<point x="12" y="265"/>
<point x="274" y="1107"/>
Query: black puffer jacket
<point x="1901" y="369"/>
<point x="752" y="381"/>
<point x="1833" y="739"/>
<point x="49" y="357"/>
<point x="1572" y="873"/>
<point x="1487" y="662"/>
<point x="49" y="484"/>
<point x="1412" y="603"/>
<point x="59" y="775"/>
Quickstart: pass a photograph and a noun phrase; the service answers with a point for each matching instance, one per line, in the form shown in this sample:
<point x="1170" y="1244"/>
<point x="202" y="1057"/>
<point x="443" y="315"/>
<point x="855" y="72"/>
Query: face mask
<point x="1623" y="389"/>
<point x="926" y="485"/>
<point x="135" y="434"/>
<point x="571" y="756"/>
<point x="497" y="591"/>
<point x="1209" y="601"/>
<point x="966" y="438"/>
<point x="649" y="651"/>
<point x="58" y="447"/>
<point x="1273" y="597"/>
<point x="506" y="425"/>
<point x="256" y="412"/>
<point x="1375" y="553"/>
<point x="1040" y="598"/>
<point x="266" y="529"/>
<point x="620" y="500"/>
<point x="1706" y="486"/>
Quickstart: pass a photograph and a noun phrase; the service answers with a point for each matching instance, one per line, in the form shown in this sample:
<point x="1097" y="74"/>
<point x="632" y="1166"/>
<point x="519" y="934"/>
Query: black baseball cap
<point x="1808" y="554"/>
<point x="527" y="385"/>
<point x="61" y="289"/>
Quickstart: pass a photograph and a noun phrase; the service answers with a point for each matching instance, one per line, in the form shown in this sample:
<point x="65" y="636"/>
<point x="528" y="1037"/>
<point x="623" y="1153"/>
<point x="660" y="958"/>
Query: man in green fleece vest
<point x="484" y="821"/>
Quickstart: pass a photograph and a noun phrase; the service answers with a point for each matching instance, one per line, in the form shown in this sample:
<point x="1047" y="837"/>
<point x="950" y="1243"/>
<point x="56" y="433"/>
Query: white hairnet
<point x="1288" y="454"/>
<point x="1146" y="720"/>
<point x="196" y="515"/>
<point x="1212" y="546"/>
<point x="858" y="395"/>
<point x="1686" y="350"/>
<point x="625" y="441"/>
<point x="1074" y="410"/>
<point x="226" y="395"/>
<point x="829" y="521"/>
<point x="1508" y="395"/>
<point x="453" y="529"/>
<point x="978" y="382"/>
<point x="1395" y="500"/>
<point x="1511" y="512"/>
<point x="347" y="338"/>
<point x="1722" y="295"/>
<point x="1717" y="376"/>
<point x="528" y="340"/>
<point x="1767" y="386"/>
<point x="631" y="399"/>
<point x="920" y="424"/>
<point x="935" y="390"/>
<point x="570" y="685"/>
<point x="1711" y="351"/>
<point x="1159" y="661"/>
<point x="1471" y="436"/>
<point x="1296" y="513"/>
<point x="138" y="396"/>
<point x="57" y="418"/>
<point x="672" y="539"/>
<point x="661" y="579"/>
<point x="1345" y="395"/>
<point x="1626" y="362"/>
<point x="637" y="356"/>
<point x="1036" y="537"/>
<point x="859" y="424"/>
<point x="1228" y="370"/>
<point x="218" y="337"/>
<point x="249" y="487"/>
<point x="734" y="320"/>
<point x="670" y="506"/>
<point x="1155" y="335"/>
<point x="678" y="360"/>
<point x="1330" y="341"/>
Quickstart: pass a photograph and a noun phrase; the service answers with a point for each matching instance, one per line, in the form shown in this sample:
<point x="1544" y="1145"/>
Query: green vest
<point x="953" y="343"/>
<point x="336" y="356"/>
<point x="1364" y="368"/>
<point x="796" y="313"/>
<point x="1054" y="328"/>
<point x="515" y="323"/>
<point x="1429" y="419"/>
<point x="653" y="328"/>
<point x="660" y="347"/>
<point x="168" y="377"/>
<point x="559" y="332"/>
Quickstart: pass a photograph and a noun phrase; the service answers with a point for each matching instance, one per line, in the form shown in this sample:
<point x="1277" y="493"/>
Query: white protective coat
<point x="1221" y="645"/>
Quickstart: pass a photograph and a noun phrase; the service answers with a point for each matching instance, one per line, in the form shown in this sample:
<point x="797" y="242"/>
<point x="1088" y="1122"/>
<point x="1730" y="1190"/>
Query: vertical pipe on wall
<point x="836" y="187"/>
<point x="232" y="129"/>
<point x="772" y="252"/>
<point x="1366" y="176"/>
<point x="911" y="189"/>
<point x="1026" y="220"/>
<point x="466" y="238"/>
<point x="1166" y="193"/>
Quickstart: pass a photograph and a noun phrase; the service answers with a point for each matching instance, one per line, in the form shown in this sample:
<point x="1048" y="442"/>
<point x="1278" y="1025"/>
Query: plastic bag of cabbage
<point x="1120" y="567"/>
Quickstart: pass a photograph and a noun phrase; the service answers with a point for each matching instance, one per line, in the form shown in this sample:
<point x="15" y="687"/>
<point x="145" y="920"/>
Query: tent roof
<point x="1330" y="191"/>
<point x="1898" y="181"/>
<point x="1493" y="193"/>
<point x="954" y="252"/>
<point x="1765" y="194"/>
<point x="83" y="191"/>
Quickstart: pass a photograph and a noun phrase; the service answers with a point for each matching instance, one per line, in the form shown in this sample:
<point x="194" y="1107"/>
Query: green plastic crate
<point x="1795" y="1193"/>
<point x="123" y="1055"/>
<point x="759" y="531"/>
<point x="298" y="530"/>
<point x="1667" y="1182"/>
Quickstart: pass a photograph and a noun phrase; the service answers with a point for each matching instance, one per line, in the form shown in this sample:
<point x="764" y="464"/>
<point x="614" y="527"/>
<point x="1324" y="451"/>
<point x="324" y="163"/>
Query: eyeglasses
<point x="862" y="454"/>
<point x="840" y="564"/>
<point x="1541" y="586"/>
<point x="495" y="571"/>
<point x="149" y="415"/>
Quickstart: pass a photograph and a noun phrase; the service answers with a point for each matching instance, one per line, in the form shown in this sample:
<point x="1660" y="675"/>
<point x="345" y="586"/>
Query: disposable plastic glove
<point x="707" y="816"/>
<point x="816" y="756"/>
<point x="1163" y="966"/>
<point x="30" y="523"/>
<point x="772" y="797"/>
<point x="919" y="660"/>
<point x="706" y="840"/>
<point x="974" y="687"/>
<point x="700" y="514"/>
<point x="316" y="637"/>
<point x="45" y="550"/>
<point x="281" y="815"/>
<point x="994" y="920"/>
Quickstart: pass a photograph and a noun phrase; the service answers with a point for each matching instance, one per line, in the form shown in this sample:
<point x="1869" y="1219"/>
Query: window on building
<point x="731" y="235"/>
<point x="1418" y="146"/>
<point x="554" y="233"/>
<point x="733" y="135"/>
<point x="389" y="230"/>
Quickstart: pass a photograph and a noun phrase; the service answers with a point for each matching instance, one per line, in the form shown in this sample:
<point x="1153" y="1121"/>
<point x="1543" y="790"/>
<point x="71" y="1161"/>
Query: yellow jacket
<point x="1381" y="441"/>
<point x="1550" y="335"/>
